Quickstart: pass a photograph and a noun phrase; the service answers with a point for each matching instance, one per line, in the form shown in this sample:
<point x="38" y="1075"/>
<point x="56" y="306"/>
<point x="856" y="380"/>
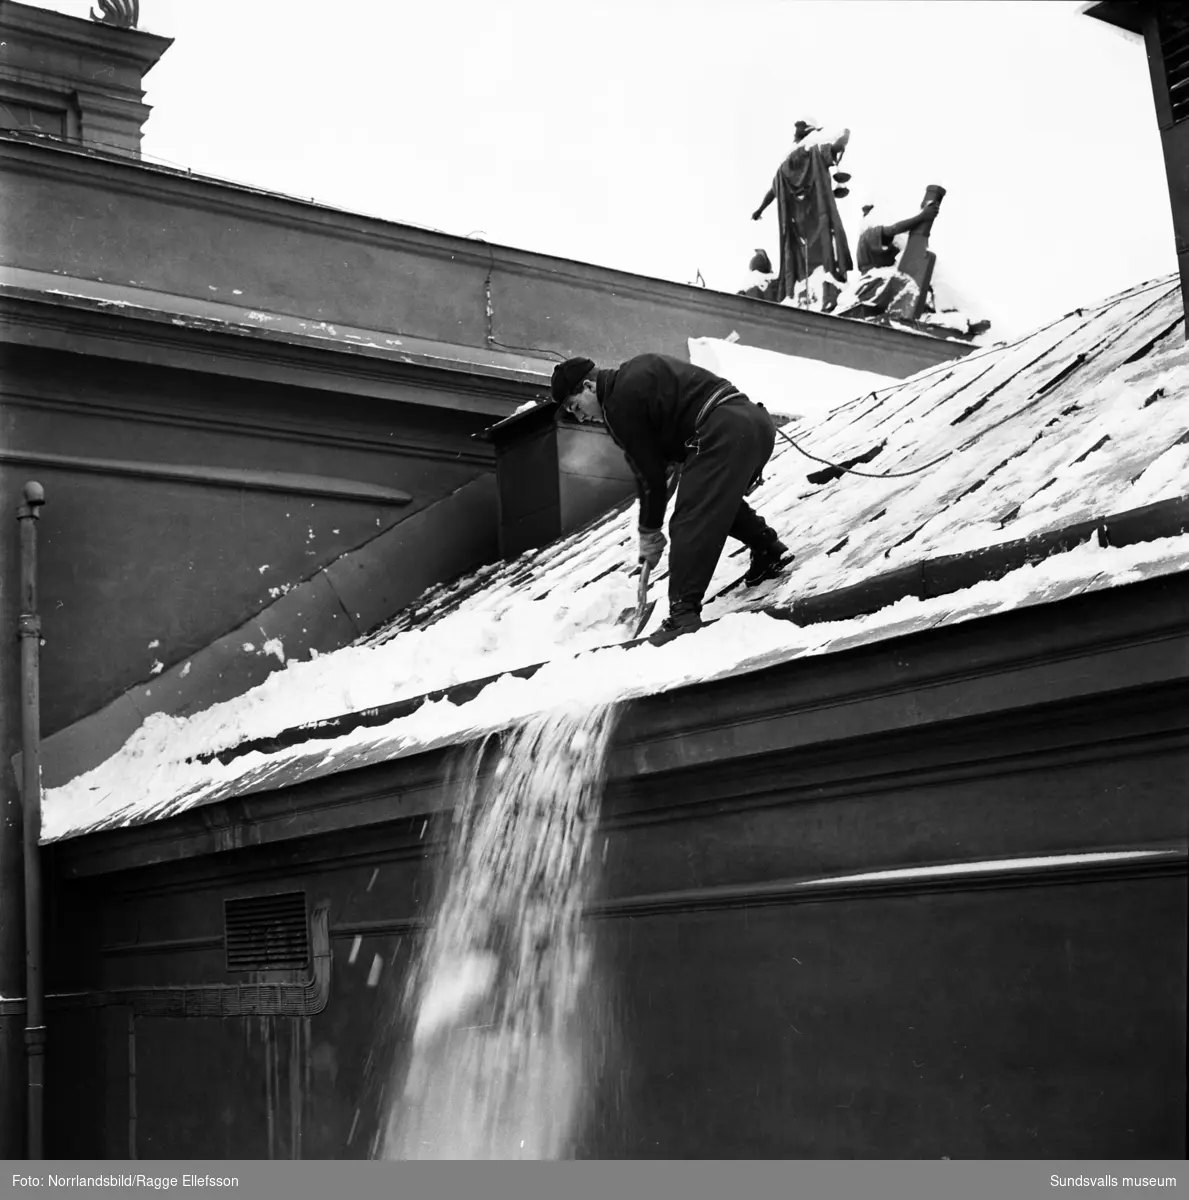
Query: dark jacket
<point x="651" y="405"/>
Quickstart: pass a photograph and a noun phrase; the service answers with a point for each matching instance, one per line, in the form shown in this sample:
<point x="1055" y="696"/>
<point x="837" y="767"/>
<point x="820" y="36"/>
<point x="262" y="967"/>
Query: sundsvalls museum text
<point x="1112" y="1181"/>
<point x="157" y="1183"/>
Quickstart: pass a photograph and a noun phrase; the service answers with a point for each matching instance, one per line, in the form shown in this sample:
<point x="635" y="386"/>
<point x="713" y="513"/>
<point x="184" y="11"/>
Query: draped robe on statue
<point x="811" y="232"/>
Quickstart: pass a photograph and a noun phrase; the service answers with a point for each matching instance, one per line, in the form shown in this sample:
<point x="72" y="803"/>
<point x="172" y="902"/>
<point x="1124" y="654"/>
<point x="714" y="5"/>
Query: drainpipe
<point x="29" y="632"/>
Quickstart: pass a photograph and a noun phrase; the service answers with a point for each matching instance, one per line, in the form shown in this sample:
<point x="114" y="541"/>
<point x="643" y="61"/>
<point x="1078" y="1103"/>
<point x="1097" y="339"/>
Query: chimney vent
<point x="553" y="474"/>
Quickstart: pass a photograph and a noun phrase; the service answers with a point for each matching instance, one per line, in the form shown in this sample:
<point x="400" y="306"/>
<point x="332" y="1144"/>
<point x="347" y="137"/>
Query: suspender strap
<point x="720" y="395"/>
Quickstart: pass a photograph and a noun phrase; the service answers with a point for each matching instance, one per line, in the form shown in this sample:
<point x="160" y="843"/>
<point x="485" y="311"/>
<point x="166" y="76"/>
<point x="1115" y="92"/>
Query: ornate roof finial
<point x="122" y="13"/>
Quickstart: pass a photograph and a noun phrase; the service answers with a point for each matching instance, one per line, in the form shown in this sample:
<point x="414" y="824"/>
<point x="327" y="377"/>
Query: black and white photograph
<point x="594" y="581"/>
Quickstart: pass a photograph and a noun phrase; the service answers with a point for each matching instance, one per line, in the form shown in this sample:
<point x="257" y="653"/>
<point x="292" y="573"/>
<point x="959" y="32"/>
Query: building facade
<point x="254" y="416"/>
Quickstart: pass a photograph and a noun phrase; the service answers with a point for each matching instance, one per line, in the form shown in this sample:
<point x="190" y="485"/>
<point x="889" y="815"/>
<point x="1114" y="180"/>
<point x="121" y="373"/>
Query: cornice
<point x="237" y="478"/>
<point x="1025" y="662"/>
<point x="471" y="452"/>
<point x="1158" y="862"/>
<point x="233" y="199"/>
<point x="135" y="47"/>
<point x="210" y="347"/>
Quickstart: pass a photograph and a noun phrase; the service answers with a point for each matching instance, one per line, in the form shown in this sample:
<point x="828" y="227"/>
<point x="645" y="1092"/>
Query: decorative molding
<point x="905" y="882"/>
<point x="922" y="879"/>
<point x="303" y="998"/>
<point x="232" y="477"/>
<point x="165" y="946"/>
<point x="246" y="354"/>
<point x="307" y="433"/>
<point x="102" y="305"/>
<point x="135" y="47"/>
<point x="635" y="804"/>
<point x="329" y="814"/>
<point x="388" y="925"/>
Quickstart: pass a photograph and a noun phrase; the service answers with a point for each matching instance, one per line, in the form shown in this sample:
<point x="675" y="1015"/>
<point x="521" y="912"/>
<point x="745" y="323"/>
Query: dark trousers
<point x="733" y="444"/>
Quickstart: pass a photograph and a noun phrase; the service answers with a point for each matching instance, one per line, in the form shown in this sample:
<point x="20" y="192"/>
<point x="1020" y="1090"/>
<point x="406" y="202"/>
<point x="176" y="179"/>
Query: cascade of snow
<point x="499" y="1044"/>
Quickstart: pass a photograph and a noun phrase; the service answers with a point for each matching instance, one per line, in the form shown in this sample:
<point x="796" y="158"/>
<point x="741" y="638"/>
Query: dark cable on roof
<point x="921" y="378"/>
<point x="999" y="347"/>
<point x="852" y="471"/>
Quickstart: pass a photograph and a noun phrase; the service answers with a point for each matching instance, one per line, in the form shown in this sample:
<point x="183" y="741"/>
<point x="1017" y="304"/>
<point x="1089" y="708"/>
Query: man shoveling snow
<point x="660" y="410"/>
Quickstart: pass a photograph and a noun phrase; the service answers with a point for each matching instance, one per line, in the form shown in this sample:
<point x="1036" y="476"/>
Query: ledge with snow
<point x="1078" y="422"/>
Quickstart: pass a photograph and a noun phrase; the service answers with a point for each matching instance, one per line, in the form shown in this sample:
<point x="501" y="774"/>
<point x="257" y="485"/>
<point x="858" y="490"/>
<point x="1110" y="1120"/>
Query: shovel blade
<point x="642" y="617"/>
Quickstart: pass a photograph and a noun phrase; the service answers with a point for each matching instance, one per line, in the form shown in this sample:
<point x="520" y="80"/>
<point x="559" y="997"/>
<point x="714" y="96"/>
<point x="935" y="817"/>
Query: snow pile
<point x="1085" y="418"/>
<point x="948" y="321"/>
<point x="818" y="293"/>
<point x="783" y="384"/>
<point x="464" y="645"/>
<point x="757" y="279"/>
<point x="149" y="778"/>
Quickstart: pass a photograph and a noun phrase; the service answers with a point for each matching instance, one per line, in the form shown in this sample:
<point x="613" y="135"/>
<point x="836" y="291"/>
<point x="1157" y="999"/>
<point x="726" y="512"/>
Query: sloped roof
<point x="1010" y="477"/>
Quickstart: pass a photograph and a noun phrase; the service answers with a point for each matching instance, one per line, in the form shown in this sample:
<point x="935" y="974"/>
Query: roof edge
<point x="368" y="227"/>
<point x="923" y="580"/>
<point x="1122" y="14"/>
<point x="134" y="45"/>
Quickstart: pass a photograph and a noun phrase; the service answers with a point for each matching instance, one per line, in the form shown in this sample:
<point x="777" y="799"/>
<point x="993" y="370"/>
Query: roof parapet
<point x="73" y="80"/>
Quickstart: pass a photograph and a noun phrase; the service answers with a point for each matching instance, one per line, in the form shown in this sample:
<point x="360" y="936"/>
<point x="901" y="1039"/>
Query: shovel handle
<point x="643" y="608"/>
<point x="642" y="589"/>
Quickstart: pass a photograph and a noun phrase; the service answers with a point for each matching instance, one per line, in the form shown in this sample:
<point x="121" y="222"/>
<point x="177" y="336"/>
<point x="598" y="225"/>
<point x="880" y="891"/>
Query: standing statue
<point x="811" y="232"/>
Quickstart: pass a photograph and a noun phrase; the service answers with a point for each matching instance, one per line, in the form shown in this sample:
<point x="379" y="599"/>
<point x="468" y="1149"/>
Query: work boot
<point x="767" y="561"/>
<point x="682" y="618"/>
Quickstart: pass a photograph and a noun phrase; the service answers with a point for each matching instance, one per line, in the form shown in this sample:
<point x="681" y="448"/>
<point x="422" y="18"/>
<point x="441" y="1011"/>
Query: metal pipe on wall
<point x="29" y="633"/>
<point x="133" y="1117"/>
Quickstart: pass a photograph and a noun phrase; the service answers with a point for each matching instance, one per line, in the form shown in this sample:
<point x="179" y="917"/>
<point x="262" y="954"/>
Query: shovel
<point x="638" y="616"/>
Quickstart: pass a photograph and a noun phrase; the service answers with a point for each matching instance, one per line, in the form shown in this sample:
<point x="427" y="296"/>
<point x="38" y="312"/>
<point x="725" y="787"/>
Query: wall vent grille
<point x="1174" y="49"/>
<point x="267" y="933"/>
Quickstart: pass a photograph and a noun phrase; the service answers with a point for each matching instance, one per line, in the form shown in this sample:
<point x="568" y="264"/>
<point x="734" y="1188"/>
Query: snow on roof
<point x="788" y="386"/>
<point x="1084" y="418"/>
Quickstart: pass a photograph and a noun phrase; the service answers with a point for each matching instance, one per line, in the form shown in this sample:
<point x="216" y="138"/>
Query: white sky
<point x="641" y="134"/>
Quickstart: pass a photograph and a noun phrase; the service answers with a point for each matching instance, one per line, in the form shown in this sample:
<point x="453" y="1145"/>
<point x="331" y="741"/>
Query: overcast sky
<point x="641" y="134"/>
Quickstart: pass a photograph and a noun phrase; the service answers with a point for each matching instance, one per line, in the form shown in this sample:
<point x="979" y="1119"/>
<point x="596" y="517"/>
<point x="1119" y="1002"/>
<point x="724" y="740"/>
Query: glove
<point x="755" y="216"/>
<point x="652" y="546"/>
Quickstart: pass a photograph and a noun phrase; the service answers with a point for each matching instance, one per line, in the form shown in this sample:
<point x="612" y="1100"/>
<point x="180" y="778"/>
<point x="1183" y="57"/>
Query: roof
<point x="1127" y="16"/>
<point x="1016" y="476"/>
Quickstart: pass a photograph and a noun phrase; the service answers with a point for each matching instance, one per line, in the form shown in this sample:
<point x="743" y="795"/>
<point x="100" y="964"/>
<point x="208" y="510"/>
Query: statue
<point x="762" y="281"/>
<point x="811" y="232"/>
<point x="123" y="14"/>
<point x="877" y="247"/>
<point x="895" y="282"/>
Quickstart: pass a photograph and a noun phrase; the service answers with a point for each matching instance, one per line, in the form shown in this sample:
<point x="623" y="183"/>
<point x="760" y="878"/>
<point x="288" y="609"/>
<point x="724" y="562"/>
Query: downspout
<point x="29" y="632"/>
